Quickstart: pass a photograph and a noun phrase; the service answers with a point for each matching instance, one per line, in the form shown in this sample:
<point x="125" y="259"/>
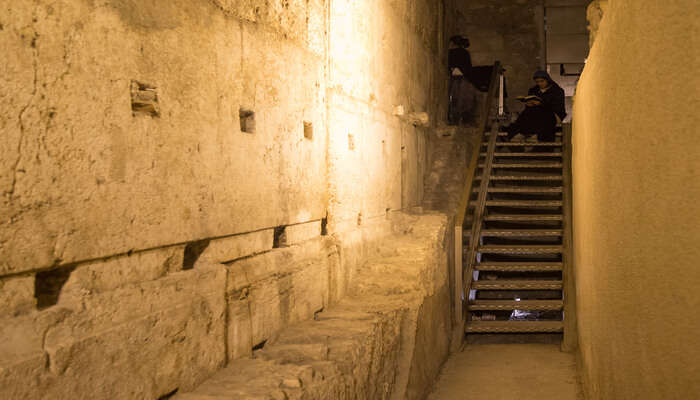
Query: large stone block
<point x="157" y="335"/>
<point x="295" y="234"/>
<point x="231" y="248"/>
<point x="16" y="295"/>
<point x="272" y="290"/>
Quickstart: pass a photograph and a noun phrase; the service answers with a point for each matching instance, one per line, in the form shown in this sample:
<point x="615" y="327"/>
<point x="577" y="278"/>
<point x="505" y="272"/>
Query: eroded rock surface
<point x="386" y="340"/>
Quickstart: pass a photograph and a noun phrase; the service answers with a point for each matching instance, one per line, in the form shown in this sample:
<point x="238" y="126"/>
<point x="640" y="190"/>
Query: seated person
<point x="540" y="115"/>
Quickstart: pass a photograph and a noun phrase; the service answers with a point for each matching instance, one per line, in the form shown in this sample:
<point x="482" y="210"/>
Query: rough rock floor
<point x="509" y="371"/>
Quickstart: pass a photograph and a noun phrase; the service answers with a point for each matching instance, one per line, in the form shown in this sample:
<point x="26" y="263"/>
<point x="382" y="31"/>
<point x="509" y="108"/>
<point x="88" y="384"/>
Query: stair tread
<point x="528" y="144"/>
<point x="501" y="154"/>
<point x="526" y="165"/>
<point x="521" y="232"/>
<point x="524" y="217"/>
<point x="525" y="203"/>
<point x="521" y="249"/>
<point x="508" y="284"/>
<point x="485" y="305"/>
<point x="549" y="177"/>
<point x="488" y="133"/>
<point x="523" y="189"/>
<point x="514" y="326"/>
<point x="519" y="266"/>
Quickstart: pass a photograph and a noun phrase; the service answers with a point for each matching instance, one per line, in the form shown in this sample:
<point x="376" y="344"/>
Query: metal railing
<point x="463" y="270"/>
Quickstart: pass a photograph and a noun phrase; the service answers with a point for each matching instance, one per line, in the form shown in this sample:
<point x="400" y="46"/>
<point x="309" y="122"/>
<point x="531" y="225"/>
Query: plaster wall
<point x="635" y="176"/>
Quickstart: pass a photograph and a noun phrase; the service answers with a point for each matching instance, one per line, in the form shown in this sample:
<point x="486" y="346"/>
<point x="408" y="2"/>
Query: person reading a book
<point x="543" y="105"/>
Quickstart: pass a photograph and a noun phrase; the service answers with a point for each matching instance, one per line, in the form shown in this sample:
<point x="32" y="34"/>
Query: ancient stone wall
<point x="504" y="30"/>
<point x="635" y="182"/>
<point x="182" y="180"/>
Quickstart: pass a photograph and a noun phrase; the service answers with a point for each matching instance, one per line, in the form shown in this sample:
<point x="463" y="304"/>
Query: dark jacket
<point x="460" y="58"/>
<point x="553" y="98"/>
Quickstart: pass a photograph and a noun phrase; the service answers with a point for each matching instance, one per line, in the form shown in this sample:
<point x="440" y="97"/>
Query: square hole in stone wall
<point x="247" y="119"/>
<point x="144" y="99"/>
<point x="308" y="130"/>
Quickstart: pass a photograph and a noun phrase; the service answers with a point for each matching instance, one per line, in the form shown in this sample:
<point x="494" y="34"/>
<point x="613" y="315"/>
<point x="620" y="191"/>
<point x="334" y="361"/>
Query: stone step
<point x="524" y="217"/>
<point x="522" y="266"/>
<point x="507" y="284"/>
<point x="523" y="189"/>
<point x="532" y="305"/>
<point x="539" y="177"/>
<point x="524" y="203"/>
<point x="525" y="165"/>
<point x="521" y="249"/>
<point x="514" y="326"/>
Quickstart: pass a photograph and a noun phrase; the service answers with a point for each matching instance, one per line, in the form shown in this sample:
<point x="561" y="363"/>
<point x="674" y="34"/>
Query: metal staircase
<point x="517" y="258"/>
<point x="512" y="232"/>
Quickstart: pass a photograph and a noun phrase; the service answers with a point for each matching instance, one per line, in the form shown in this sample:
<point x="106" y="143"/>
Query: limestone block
<point x="16" y="295"/>
<point x="239" y="337"/>
<point x="295" y="234"/>
<point x="157" y="335"/>
<point x="235" y="247"/>
<point x="272" y="290"/>
<point x="110" y="274"/>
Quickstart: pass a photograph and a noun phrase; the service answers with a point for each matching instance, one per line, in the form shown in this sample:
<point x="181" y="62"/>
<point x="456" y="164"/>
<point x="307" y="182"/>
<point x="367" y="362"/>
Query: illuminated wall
<point x="146" y="143"/>
<point x="636" y="189"/>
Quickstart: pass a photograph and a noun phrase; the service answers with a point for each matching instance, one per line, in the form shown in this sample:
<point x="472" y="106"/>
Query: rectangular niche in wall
<point x="247" y="118"/>
<point x="308" y="130"/>
<point x="144" y="99"/>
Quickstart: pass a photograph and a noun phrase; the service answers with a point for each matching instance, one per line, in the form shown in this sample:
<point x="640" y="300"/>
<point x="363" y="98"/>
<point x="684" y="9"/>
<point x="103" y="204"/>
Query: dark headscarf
<point x="544" y="75"/>
<point x="460" y="40"/>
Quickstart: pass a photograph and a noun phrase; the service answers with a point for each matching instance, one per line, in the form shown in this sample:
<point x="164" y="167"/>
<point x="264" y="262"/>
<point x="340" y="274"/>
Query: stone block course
<point x="367" y="345"/>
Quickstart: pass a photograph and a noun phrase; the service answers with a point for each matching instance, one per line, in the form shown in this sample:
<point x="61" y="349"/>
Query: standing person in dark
<point x="462" y="93"/>
<point x="540" y="117"/>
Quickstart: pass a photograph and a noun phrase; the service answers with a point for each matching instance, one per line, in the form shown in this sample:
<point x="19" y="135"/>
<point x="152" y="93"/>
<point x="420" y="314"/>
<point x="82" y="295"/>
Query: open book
<point x="525" y="99"/>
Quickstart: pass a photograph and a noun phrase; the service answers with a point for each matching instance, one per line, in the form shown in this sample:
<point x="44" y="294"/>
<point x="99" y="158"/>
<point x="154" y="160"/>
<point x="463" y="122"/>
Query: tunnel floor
<point x="509" y="371"/>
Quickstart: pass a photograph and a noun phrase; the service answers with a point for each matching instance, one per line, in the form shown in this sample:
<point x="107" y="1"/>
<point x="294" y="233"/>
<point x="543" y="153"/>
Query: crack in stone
<point x="35" y="66"/>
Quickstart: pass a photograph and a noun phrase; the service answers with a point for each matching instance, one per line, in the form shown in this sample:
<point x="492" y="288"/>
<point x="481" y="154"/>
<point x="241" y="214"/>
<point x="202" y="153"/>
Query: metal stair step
<point x="532" y="305"/>
<point x="514" y="326"/>
<point x="528" y="144"/>
<point x="520" y="232"/>
<point x="524" y="155"/>
<point x="523" y="189"/>
<point x="524" y="203"/>
<point x="507" y="284"/>
<point x="521" y="249"/>
<point x="525" y="165"/>
<point x="488" y="133"/>
<point x="523" y="217"/>
<point x="549" y="177"/>
<point x="520" y="266"/>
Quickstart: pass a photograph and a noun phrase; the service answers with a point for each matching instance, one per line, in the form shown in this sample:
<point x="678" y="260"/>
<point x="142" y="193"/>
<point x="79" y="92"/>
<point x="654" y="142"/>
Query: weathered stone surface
<point x="16" y="295"/>
<point x="275" y="289"/>
<point x="231" y="248"/>
<point x="157" y="335"/>
<point x="506" y="31"/>
<point x="387" y="339"/>
<point x="295" y="234"/>
<point x="112" y="196"/>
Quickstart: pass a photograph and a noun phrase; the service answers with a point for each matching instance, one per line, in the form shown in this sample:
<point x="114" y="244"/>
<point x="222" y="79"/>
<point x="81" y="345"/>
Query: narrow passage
<point x="509" y="372"/>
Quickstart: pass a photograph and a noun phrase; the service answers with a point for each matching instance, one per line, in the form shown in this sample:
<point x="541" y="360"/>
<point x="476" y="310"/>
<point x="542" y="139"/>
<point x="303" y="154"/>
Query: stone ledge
<point x="365" y="346"/>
